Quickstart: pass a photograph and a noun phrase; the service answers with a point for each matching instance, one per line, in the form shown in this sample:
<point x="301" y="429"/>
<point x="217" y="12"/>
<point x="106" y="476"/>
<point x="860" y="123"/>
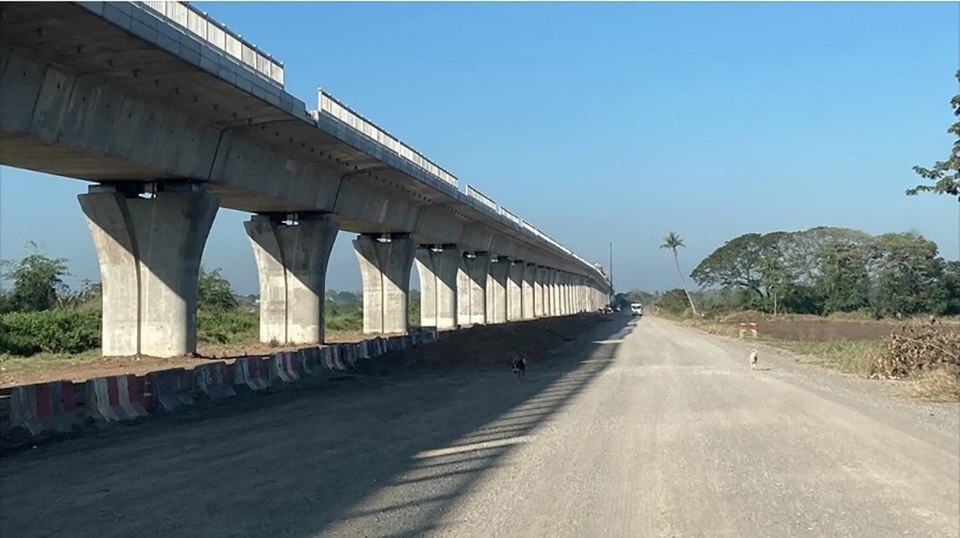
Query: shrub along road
<point x="637" y="429"/>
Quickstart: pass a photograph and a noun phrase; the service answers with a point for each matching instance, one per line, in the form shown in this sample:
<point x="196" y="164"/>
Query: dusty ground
<point x="650" y="429"/>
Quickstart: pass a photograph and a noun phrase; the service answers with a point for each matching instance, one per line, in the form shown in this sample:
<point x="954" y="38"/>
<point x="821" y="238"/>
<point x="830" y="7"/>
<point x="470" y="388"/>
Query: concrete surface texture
<point x="643" y="429"/>
<point x="149" y="253"/>
<point x="538" y="290"/>
<point x="472" y="288"/>
<point x="385" y="264"/>
<point x="438" y="267"/>
<point x="497" y="290"/>
<point x="292" y="267"/>
<point x="515" y="291"/>
<point x="526" y="291"/>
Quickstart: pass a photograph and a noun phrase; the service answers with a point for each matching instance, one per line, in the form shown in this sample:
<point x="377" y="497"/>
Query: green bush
<point x="52" y="331"/>
<point x="342" y="318"/>
<point x="227" y="326"/>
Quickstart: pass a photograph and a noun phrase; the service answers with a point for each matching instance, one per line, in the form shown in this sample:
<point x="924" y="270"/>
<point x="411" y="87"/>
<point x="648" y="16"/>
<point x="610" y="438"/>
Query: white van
<point x="636" y="309"/>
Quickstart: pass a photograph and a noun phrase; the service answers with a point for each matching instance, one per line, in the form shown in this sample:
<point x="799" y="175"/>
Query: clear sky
<point x="609" y="122"/>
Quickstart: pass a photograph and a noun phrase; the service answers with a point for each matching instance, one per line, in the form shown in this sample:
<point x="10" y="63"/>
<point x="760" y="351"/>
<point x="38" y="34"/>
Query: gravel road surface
<point x="635" y="429"/>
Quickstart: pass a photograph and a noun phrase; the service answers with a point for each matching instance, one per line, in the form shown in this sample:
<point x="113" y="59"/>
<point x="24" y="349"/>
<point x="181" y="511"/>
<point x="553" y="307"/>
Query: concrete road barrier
<point x="214" y="381"/>
<point x="252" y="373"/>
<point x="168" y="390"/>
<point x="331" y="358"/>
<point x="285" y="366"/>
<point x="348" y="355"/>
<point x="44" y="407"/>
<point x="115" y="398"/>
<point x="313" y="360"/>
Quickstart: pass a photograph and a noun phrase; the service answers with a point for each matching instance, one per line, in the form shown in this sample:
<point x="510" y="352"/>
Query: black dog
<point x="519" y="366"/>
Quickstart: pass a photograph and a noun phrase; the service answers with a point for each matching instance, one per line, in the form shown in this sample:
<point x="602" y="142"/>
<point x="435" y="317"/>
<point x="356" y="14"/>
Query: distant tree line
<point x="824" y="270"/>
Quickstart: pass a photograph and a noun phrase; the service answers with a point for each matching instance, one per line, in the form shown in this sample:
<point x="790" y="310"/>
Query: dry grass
<point x="849" y="356"/>
<point x="940" y="384"/>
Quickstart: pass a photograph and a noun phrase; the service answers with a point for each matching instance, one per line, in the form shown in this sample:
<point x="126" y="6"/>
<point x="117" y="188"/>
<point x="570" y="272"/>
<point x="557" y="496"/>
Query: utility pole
<point x="611" y="268"/>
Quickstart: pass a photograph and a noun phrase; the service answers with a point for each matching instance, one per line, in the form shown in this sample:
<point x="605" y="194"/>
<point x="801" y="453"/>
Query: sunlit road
<point x="638" y="430"/>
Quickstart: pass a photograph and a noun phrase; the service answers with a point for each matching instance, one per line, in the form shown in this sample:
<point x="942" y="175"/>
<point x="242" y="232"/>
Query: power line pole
<point x="611" y="267"/>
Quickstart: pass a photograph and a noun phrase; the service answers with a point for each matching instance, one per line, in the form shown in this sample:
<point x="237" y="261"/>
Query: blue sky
<point x="609" y="122"/>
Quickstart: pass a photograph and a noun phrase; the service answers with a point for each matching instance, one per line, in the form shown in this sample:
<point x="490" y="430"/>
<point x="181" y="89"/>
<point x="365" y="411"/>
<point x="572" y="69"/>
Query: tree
<point x="673" y="241"/>
<point x="673" y="301"/>
<point x="741" y="262"/>
<point x="37" y="282"/>
<point x="907" y="276"/>
<point x="843" y="283"/>
<point x="945" y="175"/>
<point x="214" y="292"/>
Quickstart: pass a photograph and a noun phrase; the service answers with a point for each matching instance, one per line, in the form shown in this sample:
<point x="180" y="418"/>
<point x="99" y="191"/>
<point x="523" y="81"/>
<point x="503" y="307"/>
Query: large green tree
<point x="944" y="175"/>
<point x="751" y="262"/>
<point x="908" y="276"/>
<point x="673" y="242"/>
<point x="37" y="282"/>
<point x="843" y="283"/>
<point x="214" y="292"/>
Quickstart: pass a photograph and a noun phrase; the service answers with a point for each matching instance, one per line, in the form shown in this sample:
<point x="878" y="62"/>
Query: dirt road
<point x="640" y="430"/>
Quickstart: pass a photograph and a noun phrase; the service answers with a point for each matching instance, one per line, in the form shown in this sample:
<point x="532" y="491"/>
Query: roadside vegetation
<point x="43" y="319"/>
<point x="885" y="306"/>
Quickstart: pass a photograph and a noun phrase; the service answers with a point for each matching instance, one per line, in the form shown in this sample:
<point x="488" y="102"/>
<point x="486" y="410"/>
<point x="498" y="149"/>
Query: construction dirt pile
<point x="495" y="344"/>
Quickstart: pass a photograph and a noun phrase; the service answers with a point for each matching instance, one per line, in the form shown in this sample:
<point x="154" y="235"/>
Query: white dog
<point x="754" y="359"/>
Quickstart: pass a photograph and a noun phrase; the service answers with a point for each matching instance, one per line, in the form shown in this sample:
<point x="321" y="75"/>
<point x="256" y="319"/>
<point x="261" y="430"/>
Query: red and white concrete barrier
<point x="252" y="373"/>
<point x="44" y="407"/>
<point x="167" y="390"/>
<point x="285" y="366"/>
<point x="214" y="380"/>
<point x="115" y="398"/>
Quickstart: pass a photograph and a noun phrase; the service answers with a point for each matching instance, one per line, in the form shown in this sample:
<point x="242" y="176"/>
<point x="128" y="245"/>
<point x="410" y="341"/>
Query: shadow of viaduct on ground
<point x="374" y="456"/>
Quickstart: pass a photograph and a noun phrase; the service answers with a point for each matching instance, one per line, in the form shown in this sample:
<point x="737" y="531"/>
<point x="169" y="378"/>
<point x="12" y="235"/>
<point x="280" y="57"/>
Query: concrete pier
<point x="292" y="266"/>
<point x="526" y="291"/>
<point x="385" y="264"/>
<point x="515" y="290"/>
<point x="540" y="275"/>
<point x="497" y="290"/>
<point x="149" y="250"/>
<point x="472" y="289"/>
<point x="438" y="266"/>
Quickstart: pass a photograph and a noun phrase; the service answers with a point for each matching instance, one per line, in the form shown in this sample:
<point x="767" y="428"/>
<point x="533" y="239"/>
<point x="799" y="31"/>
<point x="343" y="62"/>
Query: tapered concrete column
<point x="540" y="273"/>
<point x="385" y="264"/>
<point x="526" y="291"/>
<point x="149" y="251"/>
<point x="472" y="288"/>
<point x="515" y="290"/>
<point x="581" y="294"/>
<point x="497" y="290"/>
<point x="291" y="262"/>
<point x="554" y="292"/>
<point x="560" y="294"/>
<point x="438" y="266"/>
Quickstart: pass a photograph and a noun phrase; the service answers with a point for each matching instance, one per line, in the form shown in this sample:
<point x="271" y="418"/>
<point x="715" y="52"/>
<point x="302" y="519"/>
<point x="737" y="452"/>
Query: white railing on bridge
<point x="510" y="215"/>
<point x="330" y="105"/>
<point x="472" y="192"/>
<point x="219" y="36"/>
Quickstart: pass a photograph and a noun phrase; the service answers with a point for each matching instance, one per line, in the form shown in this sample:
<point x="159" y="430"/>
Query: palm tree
<point x="673" y="241"/>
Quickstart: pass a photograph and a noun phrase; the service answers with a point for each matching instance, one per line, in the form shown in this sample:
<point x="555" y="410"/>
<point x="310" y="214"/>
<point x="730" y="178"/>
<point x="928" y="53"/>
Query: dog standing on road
<point x="754" y="359"/>
<point x="519" y="365"/>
